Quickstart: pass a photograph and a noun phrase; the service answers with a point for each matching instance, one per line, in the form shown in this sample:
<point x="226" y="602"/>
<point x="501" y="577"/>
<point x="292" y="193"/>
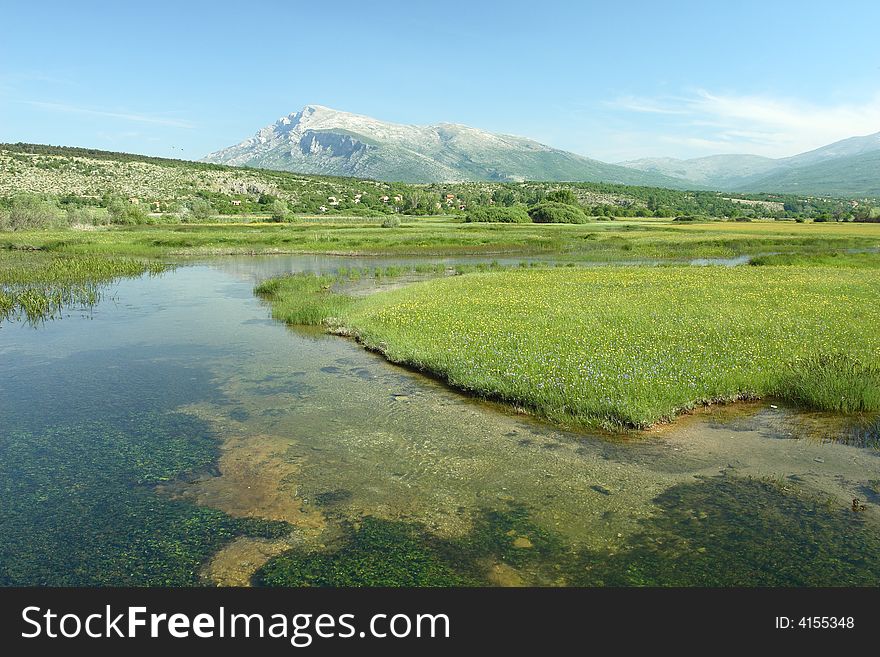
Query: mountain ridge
<point x="322" y="140"/>
<point x="325" y="141"/>
<point x="847" y="167"/>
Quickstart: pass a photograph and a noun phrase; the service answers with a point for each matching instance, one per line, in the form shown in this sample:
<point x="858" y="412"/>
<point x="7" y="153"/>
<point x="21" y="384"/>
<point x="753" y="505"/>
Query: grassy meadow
<point x="623" y="240"/>
<point x="624" y="347"/>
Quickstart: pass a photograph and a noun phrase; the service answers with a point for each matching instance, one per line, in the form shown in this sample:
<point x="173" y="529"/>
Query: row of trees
<point x="362" y="198"/>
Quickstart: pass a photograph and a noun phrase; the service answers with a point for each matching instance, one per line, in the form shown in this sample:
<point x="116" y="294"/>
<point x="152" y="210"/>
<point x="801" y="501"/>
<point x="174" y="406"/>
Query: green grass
<point x="39" y="288"/>
<point x="626" y="347"/>
<point x="869" y="260"/>
<point x="832" y="382"/>
<point x="304" y="299"/>
<point x="611" y="241"/>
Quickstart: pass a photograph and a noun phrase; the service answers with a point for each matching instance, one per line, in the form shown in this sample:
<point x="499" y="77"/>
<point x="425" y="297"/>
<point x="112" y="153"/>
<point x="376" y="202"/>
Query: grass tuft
<point x="832" y="382"/>
<point x="304" y="299"/>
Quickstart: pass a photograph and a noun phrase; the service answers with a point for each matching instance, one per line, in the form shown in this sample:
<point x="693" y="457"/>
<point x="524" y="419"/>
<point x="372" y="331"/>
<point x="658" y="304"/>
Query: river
<point x="313" y="430"/>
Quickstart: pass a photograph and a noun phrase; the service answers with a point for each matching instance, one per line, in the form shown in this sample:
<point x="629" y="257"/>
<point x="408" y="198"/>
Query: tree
<point x="280" y="211"/>
<point x="504" y="196"/>
<point x="201" y="209"/>
<point x="563" y="196"/>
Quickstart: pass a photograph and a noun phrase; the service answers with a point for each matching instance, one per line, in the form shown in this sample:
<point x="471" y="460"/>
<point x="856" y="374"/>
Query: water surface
<point x="151" y="438"/>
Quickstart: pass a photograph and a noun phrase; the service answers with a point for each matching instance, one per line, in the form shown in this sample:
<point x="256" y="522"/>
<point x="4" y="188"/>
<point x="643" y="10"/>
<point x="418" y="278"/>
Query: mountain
<point x="837" y="151"/>
<point x="715" y="171"/>
<point x="850" y="175"/>
<point x="850" y="167"/>
<point x="320" y="140"/>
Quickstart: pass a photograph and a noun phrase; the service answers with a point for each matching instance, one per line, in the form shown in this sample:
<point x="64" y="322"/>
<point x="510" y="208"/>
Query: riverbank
<point x="621" y="347"/>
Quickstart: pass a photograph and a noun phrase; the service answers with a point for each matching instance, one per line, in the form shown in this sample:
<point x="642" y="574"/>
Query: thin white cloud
<point x="646" y="105"/>
<point x="125" y="116"/>
<point x="775" y="127"/>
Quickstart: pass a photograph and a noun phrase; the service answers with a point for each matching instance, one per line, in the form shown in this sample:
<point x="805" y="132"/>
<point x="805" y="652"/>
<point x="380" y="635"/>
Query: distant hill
<point x="837" y="151"/>
<point x="850" y="167"/>
<point x="851" y="175"/>
<point x="715" y="171"/>
<point x="320" y="140"/>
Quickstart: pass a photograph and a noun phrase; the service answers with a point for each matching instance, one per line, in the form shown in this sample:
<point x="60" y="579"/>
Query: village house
<point x="323" y="208"/>
<point x="398" y="199"/>
<point x="236" y="202"/>
<point x="333" y="200"/>
<point x="134" y="200"/>
<point x="384" y="199"/>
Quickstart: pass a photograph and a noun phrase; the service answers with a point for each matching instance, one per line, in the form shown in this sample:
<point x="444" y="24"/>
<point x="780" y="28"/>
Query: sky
<point x="611" y="80"/>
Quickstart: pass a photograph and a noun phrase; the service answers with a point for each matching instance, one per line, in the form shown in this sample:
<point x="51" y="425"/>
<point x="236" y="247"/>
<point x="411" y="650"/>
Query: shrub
<point x="832" y="382"/>
<point x="515" y="214"/>
<point x="553" y="212"/>
<point x="87" y="217"/>
<point x="201" y="210"/>
<point x="125" y="213"/>
<point x="391" y="222"/>
<point x="28" y="211"/>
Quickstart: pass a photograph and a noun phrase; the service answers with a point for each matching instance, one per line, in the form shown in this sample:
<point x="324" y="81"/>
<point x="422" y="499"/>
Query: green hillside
<point x="173" y="190"/>
<point x="854" y="176"/>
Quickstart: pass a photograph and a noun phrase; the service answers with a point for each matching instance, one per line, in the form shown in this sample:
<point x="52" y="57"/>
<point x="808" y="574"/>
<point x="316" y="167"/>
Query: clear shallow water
<point x="177" y="407"/>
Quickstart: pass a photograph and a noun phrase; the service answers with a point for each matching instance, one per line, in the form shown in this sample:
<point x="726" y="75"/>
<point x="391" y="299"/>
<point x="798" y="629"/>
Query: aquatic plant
<point x="304" y="299"/>
<point x="39" y="289"/>
<point x="374" y="552"/>
<point x="724" y="530"/>
<point x="82" y="511"/>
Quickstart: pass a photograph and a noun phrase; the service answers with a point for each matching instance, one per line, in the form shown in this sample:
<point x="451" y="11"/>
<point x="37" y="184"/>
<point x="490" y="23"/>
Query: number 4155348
<point x="815" y="622"/>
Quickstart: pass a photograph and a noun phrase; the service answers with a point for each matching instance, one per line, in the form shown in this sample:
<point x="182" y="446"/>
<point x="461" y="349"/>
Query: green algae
<point x="724" y="530"/>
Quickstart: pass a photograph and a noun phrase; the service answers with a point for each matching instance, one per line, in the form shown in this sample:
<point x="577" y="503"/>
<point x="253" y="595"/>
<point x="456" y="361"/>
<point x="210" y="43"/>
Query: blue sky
<point x="612" y="80"/>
